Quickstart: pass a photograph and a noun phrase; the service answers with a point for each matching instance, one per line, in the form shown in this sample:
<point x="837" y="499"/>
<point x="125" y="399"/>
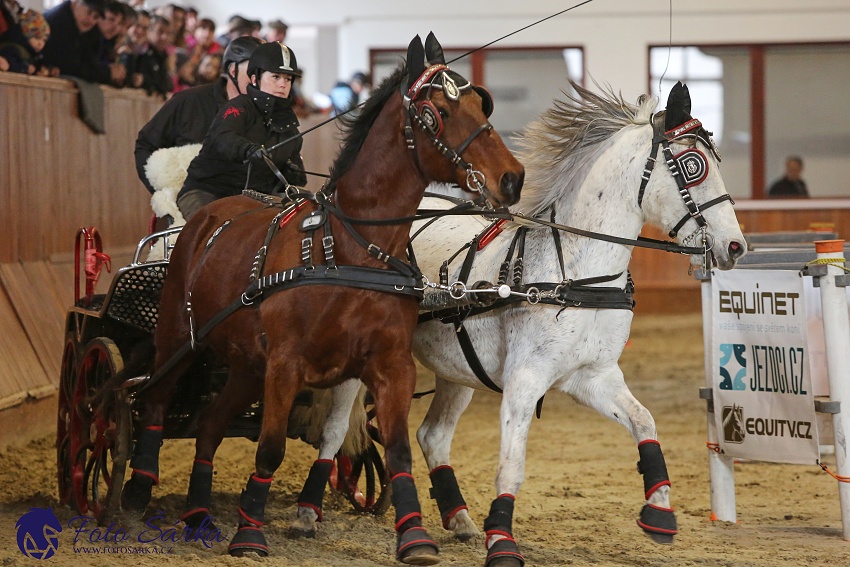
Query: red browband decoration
<point x="682" y="128"/>
<point x="423" y="79"/>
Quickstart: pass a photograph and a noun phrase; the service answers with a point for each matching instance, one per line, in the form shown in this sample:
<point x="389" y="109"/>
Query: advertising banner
<point x="763" y="400"/>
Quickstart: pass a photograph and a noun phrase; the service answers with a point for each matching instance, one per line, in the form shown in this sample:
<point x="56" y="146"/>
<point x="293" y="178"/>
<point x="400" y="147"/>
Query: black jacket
<point x="183" y="119"/>
<point x="73" y="52"/>
<point x="249" y="120"/>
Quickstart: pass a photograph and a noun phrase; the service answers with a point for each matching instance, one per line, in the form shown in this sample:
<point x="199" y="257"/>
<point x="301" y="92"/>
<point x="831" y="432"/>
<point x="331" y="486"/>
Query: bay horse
<point x="565" y="323"/>
<point x="301" y="294"/>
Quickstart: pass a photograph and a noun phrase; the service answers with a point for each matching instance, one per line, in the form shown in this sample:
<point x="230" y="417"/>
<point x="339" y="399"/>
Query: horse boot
<point x="413" y="546"/>
<point x="136" y="493"/>
<point x="502" y="550"/>
<point x="311" y="498"/>
<point x="199" y="496"/>
<point x="445" y="490"/>
<point x="657" y="522"/>
<point x="252" y="505"/>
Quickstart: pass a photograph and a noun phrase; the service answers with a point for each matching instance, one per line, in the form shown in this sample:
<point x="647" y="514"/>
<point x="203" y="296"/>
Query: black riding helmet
<point x="274" y="57"/>
<point x="237" y="51"/>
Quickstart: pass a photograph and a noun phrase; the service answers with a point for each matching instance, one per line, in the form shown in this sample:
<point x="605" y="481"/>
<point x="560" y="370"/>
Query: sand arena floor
<point x="577" y="507"/>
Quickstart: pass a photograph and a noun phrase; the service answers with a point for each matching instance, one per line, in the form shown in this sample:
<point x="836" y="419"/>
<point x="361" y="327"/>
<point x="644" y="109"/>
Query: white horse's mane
<point x="554" y="147"/>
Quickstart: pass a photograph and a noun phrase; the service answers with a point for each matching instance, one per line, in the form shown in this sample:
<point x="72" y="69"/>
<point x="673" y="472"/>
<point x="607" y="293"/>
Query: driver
<point x="245" y="131"/>
<point x="187" y="115"/>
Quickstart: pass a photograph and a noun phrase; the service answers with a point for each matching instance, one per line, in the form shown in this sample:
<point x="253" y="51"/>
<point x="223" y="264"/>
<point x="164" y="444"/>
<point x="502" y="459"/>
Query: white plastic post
<point x="836" y="330"/>
<point x="721" y="469"/>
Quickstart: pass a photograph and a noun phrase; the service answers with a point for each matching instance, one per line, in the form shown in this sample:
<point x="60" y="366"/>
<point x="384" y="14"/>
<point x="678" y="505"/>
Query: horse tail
<point x="310" y="421"/>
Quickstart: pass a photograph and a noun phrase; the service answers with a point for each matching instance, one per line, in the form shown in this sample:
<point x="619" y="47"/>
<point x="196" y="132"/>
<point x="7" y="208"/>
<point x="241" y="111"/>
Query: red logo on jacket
<point x="232" y="110"/>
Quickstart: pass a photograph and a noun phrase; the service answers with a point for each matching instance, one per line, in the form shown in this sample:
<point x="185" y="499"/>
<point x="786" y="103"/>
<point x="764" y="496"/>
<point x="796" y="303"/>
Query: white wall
<point x="615" y="34"/>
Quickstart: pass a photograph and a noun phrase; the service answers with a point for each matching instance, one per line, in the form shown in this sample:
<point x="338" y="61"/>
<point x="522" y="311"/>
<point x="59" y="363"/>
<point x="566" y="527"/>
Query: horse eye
<point x="443" y="113"/>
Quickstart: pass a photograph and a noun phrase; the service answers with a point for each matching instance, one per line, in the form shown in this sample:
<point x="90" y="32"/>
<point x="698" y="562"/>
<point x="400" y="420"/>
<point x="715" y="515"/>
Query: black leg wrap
<point x="406" y="502"/>
<point x="499" y="524"/>
<point x="199" y="499"/>
<point x="501" y="515"/>
<point x="146" y="452"/>
<point x="413" y="546"/>
<point x="445" y="490"/>
<point x="313" y="492"/>
<point x="656" y="520"/>
<point x="652" y="467"/>
<point x="249" y="536"/>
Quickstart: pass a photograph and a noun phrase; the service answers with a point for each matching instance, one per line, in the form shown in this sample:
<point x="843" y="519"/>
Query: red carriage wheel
<point x="99" y="432"/>
<point x="367" y="467"/>
<point x="67" y="380"/>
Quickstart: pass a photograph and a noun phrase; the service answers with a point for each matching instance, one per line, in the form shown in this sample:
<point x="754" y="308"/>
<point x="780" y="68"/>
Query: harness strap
<point x="675" y="230"/>
<point x="556" y="236"/>
<point x="647" y="169"/>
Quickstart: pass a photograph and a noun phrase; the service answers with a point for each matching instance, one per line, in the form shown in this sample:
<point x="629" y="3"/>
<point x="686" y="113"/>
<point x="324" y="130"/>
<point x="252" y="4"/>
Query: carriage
<point x="96" y="429"/>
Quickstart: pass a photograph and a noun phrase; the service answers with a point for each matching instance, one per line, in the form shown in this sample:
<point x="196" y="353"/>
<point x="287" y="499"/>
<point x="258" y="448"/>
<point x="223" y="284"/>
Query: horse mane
<point x="554" y="147"/>
<point x="356" y="125"/>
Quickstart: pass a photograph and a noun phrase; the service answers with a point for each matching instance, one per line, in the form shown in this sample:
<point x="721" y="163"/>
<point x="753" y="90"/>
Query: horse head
<point x="691" y="203"/>
<point x="447" y="117"/>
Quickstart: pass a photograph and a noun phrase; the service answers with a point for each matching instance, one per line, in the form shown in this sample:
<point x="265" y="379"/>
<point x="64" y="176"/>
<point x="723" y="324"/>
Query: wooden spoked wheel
<point x="99" y="432"/>
<point x="67" y="382"/>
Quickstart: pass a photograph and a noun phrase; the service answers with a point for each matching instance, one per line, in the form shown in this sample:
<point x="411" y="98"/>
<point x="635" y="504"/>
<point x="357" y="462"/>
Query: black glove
<point x="255" y="152"/>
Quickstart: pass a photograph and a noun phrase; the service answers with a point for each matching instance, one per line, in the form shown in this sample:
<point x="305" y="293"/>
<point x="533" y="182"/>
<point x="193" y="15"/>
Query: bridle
<point x="689" y="168"/>
<point x="427" y="117"/>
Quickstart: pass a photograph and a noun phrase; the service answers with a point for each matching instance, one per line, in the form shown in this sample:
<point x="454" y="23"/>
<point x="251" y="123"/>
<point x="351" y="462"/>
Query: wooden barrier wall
<point x="56" y="176"/>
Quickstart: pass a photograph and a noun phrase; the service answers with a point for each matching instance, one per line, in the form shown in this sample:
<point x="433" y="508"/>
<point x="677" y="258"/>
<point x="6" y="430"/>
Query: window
<point x="764" y="103"/>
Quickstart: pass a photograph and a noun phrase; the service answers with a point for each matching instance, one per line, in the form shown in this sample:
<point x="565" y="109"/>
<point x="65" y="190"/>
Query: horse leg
<point x="333" y="434"/>
<point x="238" y="393"/>
<point x="280" y="389"/>
<point x="435" y="439"/>
<point x="393" y="387"/>
<point x="136" y="493"/>
<point x="612" y="398"/>
<point x="518" y="402"/>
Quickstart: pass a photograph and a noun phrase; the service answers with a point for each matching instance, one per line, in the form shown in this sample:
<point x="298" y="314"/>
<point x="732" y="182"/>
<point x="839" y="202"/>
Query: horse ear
<point x="415" y="60"/>
<point x="678" y="106"/>
<point x="434" y="51"/>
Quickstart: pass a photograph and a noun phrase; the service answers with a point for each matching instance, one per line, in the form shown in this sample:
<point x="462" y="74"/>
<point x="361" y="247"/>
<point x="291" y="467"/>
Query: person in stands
<point x="250" y="129"/>
<point x="73" y="44"/>
<point x="186" y="116"/>
<point x="21" y="45"/>
<point x="790" y="185"/>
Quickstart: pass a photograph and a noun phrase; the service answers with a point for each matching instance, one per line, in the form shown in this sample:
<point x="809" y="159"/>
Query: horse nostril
<point x="510" y="186"/>
<point x="735" y="250"/>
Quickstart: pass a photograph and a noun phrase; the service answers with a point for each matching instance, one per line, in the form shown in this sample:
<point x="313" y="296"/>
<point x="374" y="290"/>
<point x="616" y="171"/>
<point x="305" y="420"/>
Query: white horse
<point x="589" y="164"/>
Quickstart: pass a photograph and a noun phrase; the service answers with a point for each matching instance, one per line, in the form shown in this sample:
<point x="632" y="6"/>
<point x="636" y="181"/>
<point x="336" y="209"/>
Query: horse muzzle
<point x="510" y="186"/>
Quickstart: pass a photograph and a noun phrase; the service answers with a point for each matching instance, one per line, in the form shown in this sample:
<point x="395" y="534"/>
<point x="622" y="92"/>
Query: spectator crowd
<point x="122" y="44"/>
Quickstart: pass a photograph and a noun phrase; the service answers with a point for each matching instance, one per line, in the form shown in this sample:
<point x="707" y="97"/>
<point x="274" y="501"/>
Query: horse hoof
<point x="136" y="494"/>
<point x="504" y="562"/>
<point x="248" y="539"/>
<point x="415" y="547"/>
<point x="658" y="523"/>
<point x="421" y="556"/>
<point x="462" y="526"/>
